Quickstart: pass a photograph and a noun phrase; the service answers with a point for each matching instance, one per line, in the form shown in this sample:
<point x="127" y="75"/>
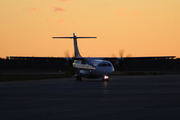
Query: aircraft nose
<point x="106" y="70"/>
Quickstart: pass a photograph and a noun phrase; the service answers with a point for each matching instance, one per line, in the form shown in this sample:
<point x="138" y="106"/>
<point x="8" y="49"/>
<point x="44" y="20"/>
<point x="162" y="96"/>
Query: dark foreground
<point x="124" y="97"/>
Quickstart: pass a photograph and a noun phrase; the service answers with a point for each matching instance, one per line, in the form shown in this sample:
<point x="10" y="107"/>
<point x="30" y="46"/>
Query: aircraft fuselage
<point x="93" y="68"/>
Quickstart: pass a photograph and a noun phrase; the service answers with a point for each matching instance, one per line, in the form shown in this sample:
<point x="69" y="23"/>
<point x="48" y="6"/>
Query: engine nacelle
<point x="84" y="72"/>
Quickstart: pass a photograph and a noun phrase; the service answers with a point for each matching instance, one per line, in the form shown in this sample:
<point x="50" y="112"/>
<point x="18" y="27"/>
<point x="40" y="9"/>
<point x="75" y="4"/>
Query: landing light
<point x="106" y="77"/>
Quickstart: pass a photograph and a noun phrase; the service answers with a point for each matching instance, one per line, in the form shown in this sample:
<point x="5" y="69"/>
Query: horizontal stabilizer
<point x="76" y="50"/>
<point x="62" y="37"/>
<point x="86" y="37"/>
<point x="73" y="37"/>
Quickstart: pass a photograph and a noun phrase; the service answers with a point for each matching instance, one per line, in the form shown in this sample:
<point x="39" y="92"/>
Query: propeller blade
<point x="68" y="59"/>
<point x="113" y="55"/>
<point x="120" y="59"/>
<point x="121" y="53"/>
<point x="73" y="55"/>
<point x="66" y="53"/>
<point x="129" y="55"/>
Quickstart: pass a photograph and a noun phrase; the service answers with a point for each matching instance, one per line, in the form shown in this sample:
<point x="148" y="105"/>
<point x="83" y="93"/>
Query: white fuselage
<point x="93" y="68"/>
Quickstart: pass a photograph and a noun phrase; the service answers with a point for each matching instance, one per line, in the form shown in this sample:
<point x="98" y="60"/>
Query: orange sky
<point x="140" y="27"/>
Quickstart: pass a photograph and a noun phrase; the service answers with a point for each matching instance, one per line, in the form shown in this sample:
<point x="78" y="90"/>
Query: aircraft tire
<point x="78" y="78"/>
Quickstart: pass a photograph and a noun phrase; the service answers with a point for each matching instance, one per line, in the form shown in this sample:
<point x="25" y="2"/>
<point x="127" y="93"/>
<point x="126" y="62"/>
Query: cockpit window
<point x="109" y="65"/>
<point x="104" y="65"/>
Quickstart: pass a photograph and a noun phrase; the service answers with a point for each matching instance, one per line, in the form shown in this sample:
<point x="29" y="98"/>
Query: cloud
<point x="127" y="12"/>
<point x="33" y="9"/>
<point x="61" y="21"/>
<point x="136" y="13"/>
<point x="58" y="9"/>
<point x="48" y="20"/>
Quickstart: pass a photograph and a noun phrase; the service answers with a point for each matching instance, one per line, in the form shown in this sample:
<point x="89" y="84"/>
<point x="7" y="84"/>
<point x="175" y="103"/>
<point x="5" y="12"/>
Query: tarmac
<point x="122" y="97"/>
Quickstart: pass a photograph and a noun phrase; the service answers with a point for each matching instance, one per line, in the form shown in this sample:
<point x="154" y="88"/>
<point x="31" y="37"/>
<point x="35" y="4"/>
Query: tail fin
<point x="76" y="50"/>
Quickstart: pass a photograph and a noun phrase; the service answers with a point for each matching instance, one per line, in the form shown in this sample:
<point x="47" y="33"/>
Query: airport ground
<point x="35" y="74"/>
<point x="141" y="97"/>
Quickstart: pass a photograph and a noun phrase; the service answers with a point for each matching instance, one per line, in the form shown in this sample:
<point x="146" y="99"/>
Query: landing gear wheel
<point x="79" y="78"/>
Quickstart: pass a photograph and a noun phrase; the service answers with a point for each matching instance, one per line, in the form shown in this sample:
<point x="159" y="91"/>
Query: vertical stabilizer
<point x="76" y="50"/>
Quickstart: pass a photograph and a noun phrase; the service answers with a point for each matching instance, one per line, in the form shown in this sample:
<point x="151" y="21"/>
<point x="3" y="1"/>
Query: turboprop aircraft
<point x="89" y="67"/>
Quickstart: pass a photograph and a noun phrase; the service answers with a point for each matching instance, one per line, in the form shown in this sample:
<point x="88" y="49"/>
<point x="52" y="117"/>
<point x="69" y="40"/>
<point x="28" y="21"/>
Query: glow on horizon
<point x="142" y="28"/>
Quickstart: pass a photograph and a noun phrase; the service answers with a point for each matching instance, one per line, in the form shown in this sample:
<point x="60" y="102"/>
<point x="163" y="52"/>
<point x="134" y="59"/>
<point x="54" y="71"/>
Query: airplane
<point x="89" y="67"/>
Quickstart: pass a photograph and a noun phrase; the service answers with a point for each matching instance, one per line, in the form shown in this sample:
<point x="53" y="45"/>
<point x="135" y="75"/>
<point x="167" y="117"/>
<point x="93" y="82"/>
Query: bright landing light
<point x="106" y="77"/>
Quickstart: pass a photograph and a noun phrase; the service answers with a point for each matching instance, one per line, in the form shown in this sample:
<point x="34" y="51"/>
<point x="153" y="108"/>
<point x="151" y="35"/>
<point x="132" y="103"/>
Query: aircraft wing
<point x="131" y="58"/>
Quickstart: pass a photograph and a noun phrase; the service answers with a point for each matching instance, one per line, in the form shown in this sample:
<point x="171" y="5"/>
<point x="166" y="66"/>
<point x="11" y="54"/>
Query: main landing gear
<point x="78" y="78"/>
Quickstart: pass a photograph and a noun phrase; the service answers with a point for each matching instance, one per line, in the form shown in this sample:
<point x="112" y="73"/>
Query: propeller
<point x="68" y="59"/>
<point x="120" y="59"/>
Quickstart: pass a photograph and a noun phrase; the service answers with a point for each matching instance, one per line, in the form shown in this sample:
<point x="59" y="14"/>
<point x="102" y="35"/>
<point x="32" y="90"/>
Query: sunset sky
<point x="140" y="27"/>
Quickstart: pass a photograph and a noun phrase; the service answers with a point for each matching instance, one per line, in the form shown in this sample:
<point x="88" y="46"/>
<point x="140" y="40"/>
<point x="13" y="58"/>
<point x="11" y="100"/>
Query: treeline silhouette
<point x="52" y="63"/>
<point x="32" y="63"/>
<point x="151" y="65"/>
